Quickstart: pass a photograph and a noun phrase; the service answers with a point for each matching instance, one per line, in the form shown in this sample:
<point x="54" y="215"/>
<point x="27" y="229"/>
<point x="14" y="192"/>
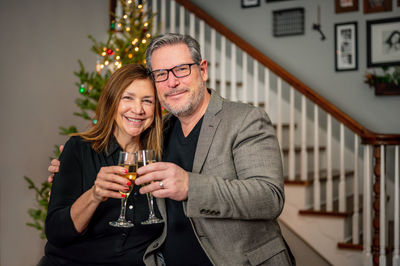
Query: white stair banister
<point x="356" y="208"/>
<point x="396" y="251"/>
<point x="201" y="37"/>
<point x="367" y="206"/>
<point x="291" y="163"/>
<point x="244" y="77"/>
<point x="163" y="17"/>
<point x="266" y="90"/>
<point x="172" y="17"/>
<point x="154" y="8"/>
<point x="342" y="182"/>
<point x="191" y="24"/>
<point x="382" y="211"/>
<point x="182" y="20"/>
<point x="212" y="61"/>
<point x="223" y="66"/>
<point x="233" y="73"/>
<point x="304" y="157"/>
<point x="279" y="110"/>
<point x="329" y="183"/>
<point x="317" y="184"/>
<point x="255" y="82"/>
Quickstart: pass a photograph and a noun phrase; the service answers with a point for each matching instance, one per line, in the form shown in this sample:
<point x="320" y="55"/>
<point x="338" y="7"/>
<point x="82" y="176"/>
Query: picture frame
<point x="346" y="6"/>
<point x="383" y="45"/>
<point x="346" y="52"/>
<point x="250" y="3"/>
<point x="374" y="6"/>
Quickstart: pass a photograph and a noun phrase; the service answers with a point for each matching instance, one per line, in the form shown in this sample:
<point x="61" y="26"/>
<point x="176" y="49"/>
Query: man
<point x="219" y="185"/>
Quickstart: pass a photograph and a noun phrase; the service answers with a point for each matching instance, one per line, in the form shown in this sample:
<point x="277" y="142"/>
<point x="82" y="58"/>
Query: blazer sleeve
<point x="254" y="187"/>
<point x="66" y="189"/>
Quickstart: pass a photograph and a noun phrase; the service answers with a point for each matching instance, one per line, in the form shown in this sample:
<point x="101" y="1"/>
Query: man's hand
<point x="164" y="180"/>
<point x="54" y="166"/>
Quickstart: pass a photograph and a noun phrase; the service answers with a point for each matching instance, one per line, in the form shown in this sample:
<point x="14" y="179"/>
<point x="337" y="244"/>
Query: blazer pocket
<point x="266" y="251"/>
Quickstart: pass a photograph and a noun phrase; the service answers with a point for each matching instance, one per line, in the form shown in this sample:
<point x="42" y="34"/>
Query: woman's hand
<point x="109" y="182"/>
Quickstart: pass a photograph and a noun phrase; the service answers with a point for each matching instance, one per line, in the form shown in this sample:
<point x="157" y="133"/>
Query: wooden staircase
<point x="331" y="162"/>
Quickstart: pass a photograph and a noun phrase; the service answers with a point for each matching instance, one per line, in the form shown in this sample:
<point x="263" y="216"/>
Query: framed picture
<point x="286" y="22"/>
<point x="250" y="3"/>
<point x="346" y="6"/>
<point x="383" y="42"/>
<point x="346" y="57"/>
<point x="373" y="6"/>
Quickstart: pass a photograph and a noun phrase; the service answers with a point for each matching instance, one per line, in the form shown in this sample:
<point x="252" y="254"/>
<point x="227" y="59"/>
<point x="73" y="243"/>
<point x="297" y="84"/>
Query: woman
<point x="85" y="197"/>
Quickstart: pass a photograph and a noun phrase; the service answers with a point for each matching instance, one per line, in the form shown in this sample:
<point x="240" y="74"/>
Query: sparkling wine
<point x="131" y="175"/>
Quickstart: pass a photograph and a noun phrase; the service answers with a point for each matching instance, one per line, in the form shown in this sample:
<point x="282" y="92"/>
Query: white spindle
<point x="329" y="186"/>
<point x="367" y="221"/>
<point x="255" y="82"/>
<point x="172" y="17"/>
<point x="233" y="73"/>
<point x="356" y="209"/>
<point x="163" y="19"/>
<point x="278" y="113"/>
<point x="291" y="163"/>
<point x="223" y="66"/>
<point x="396" y="251"/>
<point x="201" y="37"/>
<point x="191" y="25"/>
<point x="382" y="211"/>
<point x="304" y="158"/>
<point x="182" y="20"/>
<point x="154" y="10"/>
<point x="213" y="71"/>
<point x="342" y="183"/>
<point x="317" y="184"/>
<point x="244" y="77"/>
<point x="267" y="88"/>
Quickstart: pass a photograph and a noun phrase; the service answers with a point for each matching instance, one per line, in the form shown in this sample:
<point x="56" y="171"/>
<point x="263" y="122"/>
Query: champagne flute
<point x="145" y="157"/>
<point x="127" y="160"/>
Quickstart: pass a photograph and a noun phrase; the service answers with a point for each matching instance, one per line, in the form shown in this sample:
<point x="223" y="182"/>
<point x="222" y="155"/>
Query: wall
<point x="312" y="60"/>
<point x="41" y="42"/>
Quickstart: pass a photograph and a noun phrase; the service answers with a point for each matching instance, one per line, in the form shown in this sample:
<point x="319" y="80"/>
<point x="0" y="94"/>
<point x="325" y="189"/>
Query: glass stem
<point x="123" y="209"/>
<point x="150" y="202"/>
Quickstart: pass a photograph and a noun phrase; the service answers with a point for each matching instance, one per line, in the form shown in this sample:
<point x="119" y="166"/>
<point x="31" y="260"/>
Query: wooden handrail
<point x="367" y="136"/>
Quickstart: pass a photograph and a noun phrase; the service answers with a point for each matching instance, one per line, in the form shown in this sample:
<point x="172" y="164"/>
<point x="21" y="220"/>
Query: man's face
<point x="180" y="96"/>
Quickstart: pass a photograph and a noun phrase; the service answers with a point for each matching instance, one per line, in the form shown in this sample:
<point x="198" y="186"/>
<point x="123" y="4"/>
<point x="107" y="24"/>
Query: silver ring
<point x="161" y="184"/>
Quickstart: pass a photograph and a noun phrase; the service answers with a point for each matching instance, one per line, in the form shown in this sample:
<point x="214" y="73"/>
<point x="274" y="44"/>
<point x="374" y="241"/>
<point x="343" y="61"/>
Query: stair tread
<point x="323" y="175"/>
<point x="335" y="213"/>
<point x="297" y="149"/>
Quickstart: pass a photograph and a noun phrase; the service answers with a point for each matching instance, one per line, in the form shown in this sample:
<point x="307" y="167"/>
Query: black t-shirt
<point x="181" y="246"/>
<point x="100" y="243"/>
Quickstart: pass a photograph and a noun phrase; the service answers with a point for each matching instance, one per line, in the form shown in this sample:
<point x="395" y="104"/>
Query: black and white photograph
<point x="346" y="46"/>
<point x="250" y="3"/>
<point x="383" y="42"/>
<point x="346" y="6"/>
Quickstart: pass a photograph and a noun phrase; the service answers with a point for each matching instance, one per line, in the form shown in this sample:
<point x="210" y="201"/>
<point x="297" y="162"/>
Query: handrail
<point x="367" y="136"/>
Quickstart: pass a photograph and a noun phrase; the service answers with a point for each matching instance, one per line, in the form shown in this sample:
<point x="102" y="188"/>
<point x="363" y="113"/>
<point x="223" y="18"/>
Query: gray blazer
<point x="235" y="188"/>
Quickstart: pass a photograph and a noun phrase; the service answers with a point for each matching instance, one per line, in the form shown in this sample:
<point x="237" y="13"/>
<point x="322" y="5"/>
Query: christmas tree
<point x="128" y="36"/>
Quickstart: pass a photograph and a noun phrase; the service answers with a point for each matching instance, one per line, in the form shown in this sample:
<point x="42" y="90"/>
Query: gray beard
<point x="188" y="109"/>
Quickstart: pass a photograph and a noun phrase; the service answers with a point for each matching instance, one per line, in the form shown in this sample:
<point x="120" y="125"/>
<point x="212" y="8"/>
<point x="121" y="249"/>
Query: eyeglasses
<point x="179" y="71"/>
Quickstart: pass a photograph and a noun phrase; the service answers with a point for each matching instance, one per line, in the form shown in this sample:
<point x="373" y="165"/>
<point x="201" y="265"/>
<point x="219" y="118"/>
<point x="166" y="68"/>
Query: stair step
<point x="350" y="245"/>
<point x="335" y="212"/>
<point x="322" y="177"/>
<point x="297" y="149"/>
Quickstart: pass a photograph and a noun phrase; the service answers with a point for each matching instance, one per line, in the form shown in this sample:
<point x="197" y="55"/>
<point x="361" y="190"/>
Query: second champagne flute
<point x="145" y="157"/>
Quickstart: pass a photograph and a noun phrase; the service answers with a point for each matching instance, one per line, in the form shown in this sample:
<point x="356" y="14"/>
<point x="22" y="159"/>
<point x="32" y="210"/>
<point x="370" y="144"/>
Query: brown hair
<point x="102" y="132"/>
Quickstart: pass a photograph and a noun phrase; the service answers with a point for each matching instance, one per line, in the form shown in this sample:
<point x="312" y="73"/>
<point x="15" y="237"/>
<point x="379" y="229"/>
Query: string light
<point x="144" y="41"/>
<point x="136" y="49"/>
<point x="117" y="57"/>
<point x="148" y="35"/>
<point x="128" y="29"/>
<point x="130" y="56"/>
<point x="146" y="24"/>
<point x="140" y="6"/>
<point x="103" y="53"/>
<point x="106" y="62"/>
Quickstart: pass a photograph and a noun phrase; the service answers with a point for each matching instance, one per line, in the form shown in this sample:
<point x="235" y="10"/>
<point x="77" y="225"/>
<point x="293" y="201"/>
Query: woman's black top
<point x="100" y="243"/>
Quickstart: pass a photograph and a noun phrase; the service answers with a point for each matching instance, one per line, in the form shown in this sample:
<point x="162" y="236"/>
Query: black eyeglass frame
<point x="172" y="70"/>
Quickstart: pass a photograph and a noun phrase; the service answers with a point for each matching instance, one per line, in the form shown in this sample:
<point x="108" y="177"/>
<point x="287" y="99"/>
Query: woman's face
<point x="136" y="109"/>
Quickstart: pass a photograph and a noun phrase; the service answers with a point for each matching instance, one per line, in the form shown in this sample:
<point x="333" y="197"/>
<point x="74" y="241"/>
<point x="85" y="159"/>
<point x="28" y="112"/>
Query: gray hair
<point x="171" y="39"/>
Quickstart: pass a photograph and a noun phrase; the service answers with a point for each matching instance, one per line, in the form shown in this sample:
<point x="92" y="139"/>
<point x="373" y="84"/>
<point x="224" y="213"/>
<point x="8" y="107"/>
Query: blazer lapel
<point x="207" y="132"/>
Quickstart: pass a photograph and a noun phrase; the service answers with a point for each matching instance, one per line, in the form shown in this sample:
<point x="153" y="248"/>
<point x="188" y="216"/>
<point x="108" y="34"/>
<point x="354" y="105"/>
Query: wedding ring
<point x="161" y="184"/>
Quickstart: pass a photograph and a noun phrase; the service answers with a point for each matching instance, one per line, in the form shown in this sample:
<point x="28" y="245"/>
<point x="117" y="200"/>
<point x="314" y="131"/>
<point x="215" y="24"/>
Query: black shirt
<point x="100" y="243"/>
<point x="181" y="246"/>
